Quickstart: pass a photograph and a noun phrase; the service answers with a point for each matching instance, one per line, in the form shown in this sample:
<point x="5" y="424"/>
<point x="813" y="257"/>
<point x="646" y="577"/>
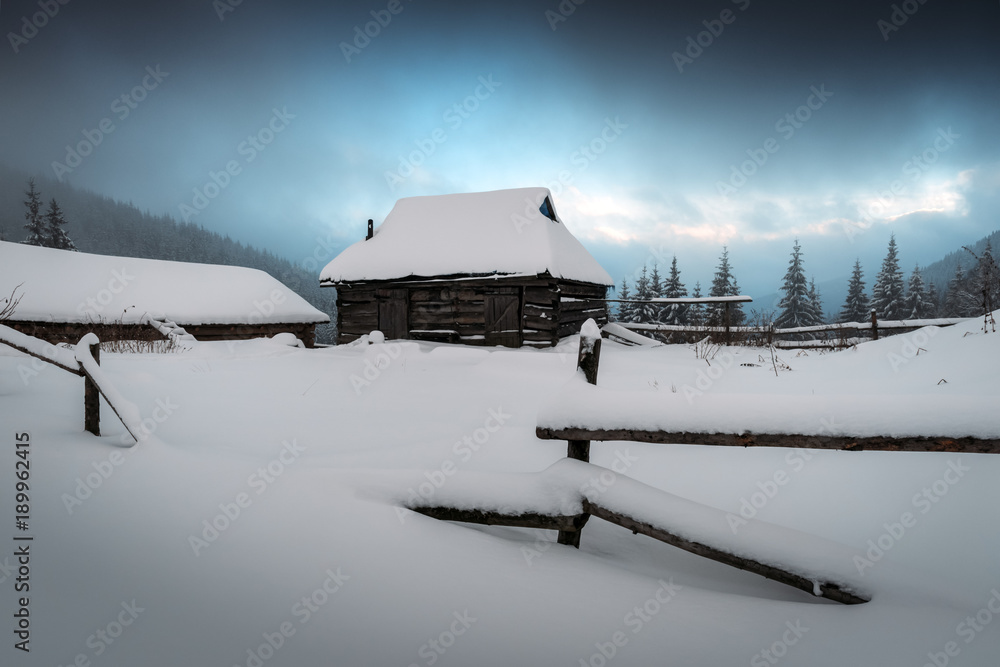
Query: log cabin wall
<point x="473" y="311"/>
<point x="72" y="332"/>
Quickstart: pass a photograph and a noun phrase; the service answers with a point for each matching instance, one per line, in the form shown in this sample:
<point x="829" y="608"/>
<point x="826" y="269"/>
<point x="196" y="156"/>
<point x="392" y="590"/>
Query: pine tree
<point x="655" y="292"/>
<point x="35" y="223"/>
<point x="934" y="298"/>
<point x="724" y="284"/>
<point x="856" y="307"/>
<point x="917" y="305"/>
<point x="794" y="305"/>
<point x="673" y="288"/>
<point x="642" y="312"/>
<point x="624" y="308"/>
<point x="57" y="236"/>
<point x="696" y="313"/>
<point x="887" y="294"/>
<point x="815" y="308"/>
<point x="959" y="302"/>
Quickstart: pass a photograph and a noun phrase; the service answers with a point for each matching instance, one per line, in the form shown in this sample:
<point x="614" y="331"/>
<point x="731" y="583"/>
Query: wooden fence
<point x="844" y="333"/>
<point x="720" y="549"/>
<point x="578" y="447"/>
<point x="84" y="361"/>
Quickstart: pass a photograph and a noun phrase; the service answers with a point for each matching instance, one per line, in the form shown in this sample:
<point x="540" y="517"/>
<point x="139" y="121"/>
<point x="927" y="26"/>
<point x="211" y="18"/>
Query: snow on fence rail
<point x="57" y="356"/>
<point x="586" y="413"/>
<point x="841" y="328"/>
<point x="168" y="329"/>
<point x="557" y="499"/>
<point x="724" y="300"/>
<point x="741" y="298"/>
<point x="83" y="360"/>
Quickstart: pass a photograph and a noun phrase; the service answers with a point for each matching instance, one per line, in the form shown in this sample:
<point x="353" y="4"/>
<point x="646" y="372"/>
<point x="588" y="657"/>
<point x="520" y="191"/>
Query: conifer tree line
<point x="44" y="230"/>
<point x="893" y="297"/>
<point x="651" y="285"/>
<point x="105" y="226"/>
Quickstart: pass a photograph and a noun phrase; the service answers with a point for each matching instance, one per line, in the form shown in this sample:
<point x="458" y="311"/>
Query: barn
<point x="484" y="268"/>
<point x="64" y="295"/>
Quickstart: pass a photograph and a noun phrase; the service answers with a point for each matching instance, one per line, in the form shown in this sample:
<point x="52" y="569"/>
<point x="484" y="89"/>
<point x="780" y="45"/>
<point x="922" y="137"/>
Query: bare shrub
<point x="8" y="305"/>
<point x="129" y="338"/>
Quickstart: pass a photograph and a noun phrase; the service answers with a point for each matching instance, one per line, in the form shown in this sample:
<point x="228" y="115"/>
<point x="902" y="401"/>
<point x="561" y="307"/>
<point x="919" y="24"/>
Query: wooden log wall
<point x="357" y="312"/>
<point x="71" y="332"/>
<point x="453" y="310"/>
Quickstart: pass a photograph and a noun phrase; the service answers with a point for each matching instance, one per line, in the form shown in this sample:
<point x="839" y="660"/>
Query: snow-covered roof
<point x="63" y="286"/>
<point x="508" y="232"/>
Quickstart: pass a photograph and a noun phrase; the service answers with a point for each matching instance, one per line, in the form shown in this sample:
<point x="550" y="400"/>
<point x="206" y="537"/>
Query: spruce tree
<point x="917" y="305"/>
<point x="856" y="307"/>
<point x="815" y="308"/>
<point x="887" y="294"/>
<point x="724" y="284"/>
<point x="794" y="305"/>
<point x="934" y="298"/>
<point x="33" y="215"/>
<point x="655" y="292"/>
<point x="959" y="302"/>
<point x="57" y="236"/>
<point x="673" y="288"/>
<point x="696" y="313"/>
<point x="624" y="308"/>
<point x="642" y="312"/>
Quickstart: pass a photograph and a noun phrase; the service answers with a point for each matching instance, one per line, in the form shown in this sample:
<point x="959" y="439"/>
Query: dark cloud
<point x="363" y="104"/>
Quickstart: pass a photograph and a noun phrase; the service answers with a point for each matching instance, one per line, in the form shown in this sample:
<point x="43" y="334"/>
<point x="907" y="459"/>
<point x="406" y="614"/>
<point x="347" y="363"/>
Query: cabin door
<point x="503" y="317"/>
<point x="392" y="313"/>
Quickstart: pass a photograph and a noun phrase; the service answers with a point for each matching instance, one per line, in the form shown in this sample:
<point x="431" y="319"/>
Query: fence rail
<point x="84" y="360"/>
<point x="772" y="335"/>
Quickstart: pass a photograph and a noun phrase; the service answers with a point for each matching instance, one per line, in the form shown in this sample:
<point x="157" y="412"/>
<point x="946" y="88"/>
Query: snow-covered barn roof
<point x="64" y="286"/>
<point x="508" y="232"/>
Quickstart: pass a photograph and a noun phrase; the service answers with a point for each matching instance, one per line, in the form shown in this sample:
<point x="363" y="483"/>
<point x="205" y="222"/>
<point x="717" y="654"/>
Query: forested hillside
<point x="942" y="271"/>
<point x="104" y="226"/>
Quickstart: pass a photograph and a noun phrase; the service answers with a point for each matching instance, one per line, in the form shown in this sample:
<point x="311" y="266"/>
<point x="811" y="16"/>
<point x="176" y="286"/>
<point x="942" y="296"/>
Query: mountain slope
<point x="102" y="225"/>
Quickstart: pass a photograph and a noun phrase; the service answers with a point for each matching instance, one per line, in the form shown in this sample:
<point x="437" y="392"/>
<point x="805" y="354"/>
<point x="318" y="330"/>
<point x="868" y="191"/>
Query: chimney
<point x="371" y="229"/>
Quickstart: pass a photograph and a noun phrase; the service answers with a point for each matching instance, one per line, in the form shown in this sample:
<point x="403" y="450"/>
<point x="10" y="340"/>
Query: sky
<point x="662" y="129"/>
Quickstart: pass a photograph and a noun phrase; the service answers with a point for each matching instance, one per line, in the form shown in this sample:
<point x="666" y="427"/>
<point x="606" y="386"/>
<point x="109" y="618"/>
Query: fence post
<point x="587" y="361"/>
<point x="874" y="325"/>
<point x="92" y="398"/>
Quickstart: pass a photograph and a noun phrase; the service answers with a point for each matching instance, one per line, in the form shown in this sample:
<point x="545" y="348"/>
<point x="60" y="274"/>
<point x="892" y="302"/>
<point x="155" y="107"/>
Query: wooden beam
<point x="572" y="525"/>
<point x="827" y="590"/>
<point x="588" y="359"/>
<point x="568" y="523"/>
<point x="844" y="443"/>
<point x="92" y="397"/>
<point x="688" y="300"/>
<point x="74" y="371"/>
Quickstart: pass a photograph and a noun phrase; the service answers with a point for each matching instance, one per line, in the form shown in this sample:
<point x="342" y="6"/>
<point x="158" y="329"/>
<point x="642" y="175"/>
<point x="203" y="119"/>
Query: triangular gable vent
<point x="548" y="210"/>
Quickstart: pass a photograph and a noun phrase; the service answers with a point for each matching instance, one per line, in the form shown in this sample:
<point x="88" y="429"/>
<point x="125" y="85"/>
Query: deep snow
<point x="313" y="446"/>
<point x="478" y="233"/>
<point x="64" y="286"/>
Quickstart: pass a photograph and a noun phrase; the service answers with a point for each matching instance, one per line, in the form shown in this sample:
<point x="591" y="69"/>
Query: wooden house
<point x="64" y="295"/>
<point x="486" y="268"/>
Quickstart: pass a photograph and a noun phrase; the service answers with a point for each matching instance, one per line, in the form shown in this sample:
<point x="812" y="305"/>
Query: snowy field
<point x="259" y="523"/>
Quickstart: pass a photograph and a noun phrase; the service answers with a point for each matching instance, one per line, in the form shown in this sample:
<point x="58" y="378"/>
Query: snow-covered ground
<point x="257" y="524"/>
